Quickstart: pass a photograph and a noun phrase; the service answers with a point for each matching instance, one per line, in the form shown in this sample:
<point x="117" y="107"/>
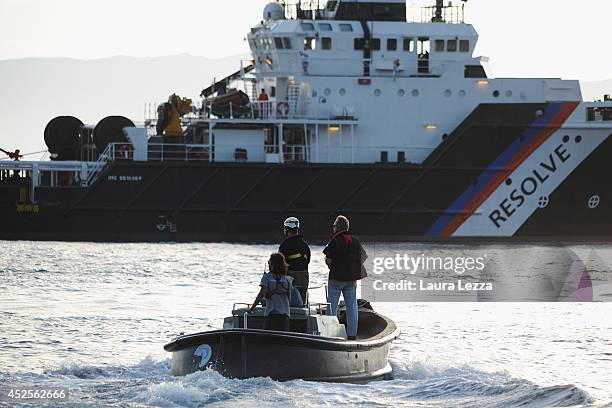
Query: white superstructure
<point x="339" y="103"/>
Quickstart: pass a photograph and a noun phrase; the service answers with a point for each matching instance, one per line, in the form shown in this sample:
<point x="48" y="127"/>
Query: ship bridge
<point x="344" y="40"/>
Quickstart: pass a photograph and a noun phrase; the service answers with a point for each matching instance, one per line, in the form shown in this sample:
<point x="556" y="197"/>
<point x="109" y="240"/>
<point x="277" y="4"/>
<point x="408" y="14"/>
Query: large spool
<point x="110" y="130"/>
<point x="62" y="137"/>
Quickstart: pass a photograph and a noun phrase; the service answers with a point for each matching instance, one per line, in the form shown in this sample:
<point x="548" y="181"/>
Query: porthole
<point x="445" y="136"/>
<point x="342" y="91"/>
<point x="594" y="202"/>
<point x="543" y="201"/>
<point x="566" y="139"/>
<point x="462" y="93"/>
<point x="377" y="92"/>
<point x="496" y="93"/>
<point x="508" y="94"/>
<point x="327" y="92"/>
<point x="401" y="92"/>
<point x="578" y="139"/>
<point x="415" y="93"/>
<point x="509" y="182"/>
<point x="448" y="93"/>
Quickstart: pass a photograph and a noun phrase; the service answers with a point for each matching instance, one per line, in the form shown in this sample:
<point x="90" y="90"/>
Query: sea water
<point x="94" y="318"/>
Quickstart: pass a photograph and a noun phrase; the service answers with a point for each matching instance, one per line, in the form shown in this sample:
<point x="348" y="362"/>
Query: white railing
<point x="179" y="152"/>
<point x="330" y="148"/>
<point x="282" y="110"/>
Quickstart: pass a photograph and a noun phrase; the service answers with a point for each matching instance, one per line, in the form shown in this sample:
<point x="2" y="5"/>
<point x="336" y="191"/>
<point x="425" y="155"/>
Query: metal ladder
<point x="105" y="158"/>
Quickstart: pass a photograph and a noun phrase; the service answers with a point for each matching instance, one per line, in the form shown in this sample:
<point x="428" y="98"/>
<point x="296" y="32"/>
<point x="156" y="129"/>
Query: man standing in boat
<point x="345" y="257"/>
<point x="297" y="254"/>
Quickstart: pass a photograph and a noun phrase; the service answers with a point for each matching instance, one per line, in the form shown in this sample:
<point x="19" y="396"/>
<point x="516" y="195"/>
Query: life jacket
<point x="297" y="253"/>
<point x="277" y="286"/>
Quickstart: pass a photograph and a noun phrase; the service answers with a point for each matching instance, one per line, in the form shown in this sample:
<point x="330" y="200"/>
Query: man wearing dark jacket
<point x="297" y="254"/>
<point x="345" y="256"/>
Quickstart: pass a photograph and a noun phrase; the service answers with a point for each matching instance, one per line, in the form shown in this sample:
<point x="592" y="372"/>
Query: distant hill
<point x="34" y="90"/>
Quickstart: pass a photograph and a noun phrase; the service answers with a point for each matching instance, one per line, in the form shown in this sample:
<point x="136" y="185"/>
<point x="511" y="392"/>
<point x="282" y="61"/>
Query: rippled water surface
<point x="94" y="318"/>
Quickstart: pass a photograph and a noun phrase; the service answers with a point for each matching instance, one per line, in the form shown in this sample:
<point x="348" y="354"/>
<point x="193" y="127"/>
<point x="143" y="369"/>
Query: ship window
<point x="391" y="44"/>
<point x="268" y="43"/>
<point x="359" y="43"/>
<point x="325" y="27"/>
<point x="408" y="45"/>
<point x="375" y="44"/>
<point x="440" y="45"/>
<point x="279" y="43"/>
<point x="475" y="71"/>
<point x="424" y="46"/>
<point x="346" y="27"/>
<point x="310" y="43"/>
<point x="287" y="43"/>
<point x="464" y="46"/>
<point x="451" y="46"/>
<point x="308" y="27"/>
<point x="326" y="43"/>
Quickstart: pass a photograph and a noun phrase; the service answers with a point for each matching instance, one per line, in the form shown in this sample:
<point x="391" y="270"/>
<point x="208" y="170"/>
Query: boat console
<point x="312" y="319"/>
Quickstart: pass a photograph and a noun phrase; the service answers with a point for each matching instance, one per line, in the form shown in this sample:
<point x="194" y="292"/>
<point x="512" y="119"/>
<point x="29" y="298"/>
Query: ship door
<point x="294" y="148"/>
<point x="423" y="49"/>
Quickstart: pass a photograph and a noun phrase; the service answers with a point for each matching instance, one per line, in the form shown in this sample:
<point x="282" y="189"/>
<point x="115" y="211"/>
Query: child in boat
<point x="276" y="287"/>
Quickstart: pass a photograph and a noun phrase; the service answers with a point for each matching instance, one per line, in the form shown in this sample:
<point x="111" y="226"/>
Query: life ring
<point x="282" y="108"/>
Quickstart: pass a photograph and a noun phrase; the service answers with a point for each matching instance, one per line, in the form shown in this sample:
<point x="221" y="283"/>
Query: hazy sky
<point x="522" y="37"/>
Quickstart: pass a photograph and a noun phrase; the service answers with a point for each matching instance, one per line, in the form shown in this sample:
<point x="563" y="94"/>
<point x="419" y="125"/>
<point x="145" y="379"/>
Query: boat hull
<point x="240" y="353"/>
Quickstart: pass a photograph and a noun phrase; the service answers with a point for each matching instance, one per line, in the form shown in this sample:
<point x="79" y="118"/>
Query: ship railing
<point x="335" y="146"/>
<point x="179" y="152"/>
<point x="450" y="14"/>
<point x="295" y="109"/>
<point x="304" y="9"/>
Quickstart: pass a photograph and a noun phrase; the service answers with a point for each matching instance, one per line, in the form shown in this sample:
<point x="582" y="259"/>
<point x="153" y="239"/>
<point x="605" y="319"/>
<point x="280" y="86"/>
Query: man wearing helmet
<point x="297" y="254"/>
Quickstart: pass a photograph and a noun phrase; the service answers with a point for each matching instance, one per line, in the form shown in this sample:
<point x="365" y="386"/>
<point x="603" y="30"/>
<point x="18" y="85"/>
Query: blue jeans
<point x="349" y="292"/>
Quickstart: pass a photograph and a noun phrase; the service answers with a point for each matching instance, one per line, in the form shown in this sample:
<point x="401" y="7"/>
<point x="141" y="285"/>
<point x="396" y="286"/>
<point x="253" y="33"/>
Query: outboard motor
<point x="62" y="137"/>
<point x="110" y="130"/>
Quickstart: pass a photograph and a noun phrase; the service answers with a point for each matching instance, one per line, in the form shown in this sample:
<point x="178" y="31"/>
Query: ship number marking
<point x="125" y="178"/>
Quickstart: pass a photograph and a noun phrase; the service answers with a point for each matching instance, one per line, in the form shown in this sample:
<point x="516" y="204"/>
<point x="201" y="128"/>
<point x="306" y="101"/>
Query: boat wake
<point x="149" y="383"/>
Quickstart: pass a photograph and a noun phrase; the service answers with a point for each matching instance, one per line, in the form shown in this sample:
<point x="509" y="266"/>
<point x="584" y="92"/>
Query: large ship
<point x="345" y="107"/>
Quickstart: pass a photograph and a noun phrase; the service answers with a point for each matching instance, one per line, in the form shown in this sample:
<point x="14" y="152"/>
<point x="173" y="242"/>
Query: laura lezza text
<point x="421" y="285"/>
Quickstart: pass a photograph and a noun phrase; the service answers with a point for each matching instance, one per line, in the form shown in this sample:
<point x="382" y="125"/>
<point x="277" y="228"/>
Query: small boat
<point x="234" y="103"/>
<point x="315" y="349"/>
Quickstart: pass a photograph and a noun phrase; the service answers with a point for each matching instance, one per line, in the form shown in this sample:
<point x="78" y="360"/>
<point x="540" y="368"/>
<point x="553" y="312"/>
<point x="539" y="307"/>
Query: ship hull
<point x="500" y="176"/>
<point x="248" y="203"/>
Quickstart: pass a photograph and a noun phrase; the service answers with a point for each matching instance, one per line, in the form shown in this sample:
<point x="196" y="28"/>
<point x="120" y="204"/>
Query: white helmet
<point x="292" y="223"/>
